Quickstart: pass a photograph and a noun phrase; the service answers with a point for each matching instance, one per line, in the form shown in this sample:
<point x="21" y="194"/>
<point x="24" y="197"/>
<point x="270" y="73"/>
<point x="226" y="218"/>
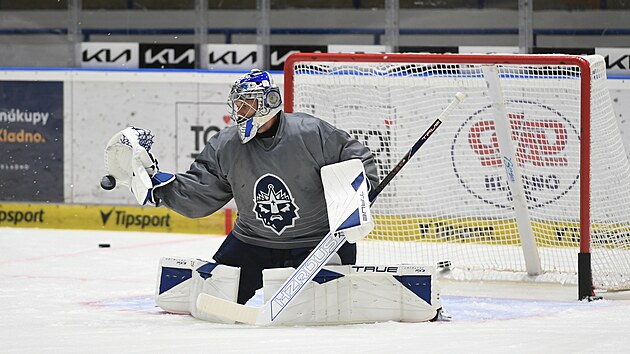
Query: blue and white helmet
<point x="258" y="88"/>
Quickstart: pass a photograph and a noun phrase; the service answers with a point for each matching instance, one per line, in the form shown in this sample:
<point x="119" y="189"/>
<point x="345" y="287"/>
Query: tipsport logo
<point x="14" y="217"/>
<point x="542" y="138"/>
<point x="123" y="218"/>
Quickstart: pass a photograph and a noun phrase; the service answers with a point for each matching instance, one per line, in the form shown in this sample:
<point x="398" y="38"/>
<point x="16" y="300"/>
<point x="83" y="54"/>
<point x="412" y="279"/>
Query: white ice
<point x="61" y="293"/>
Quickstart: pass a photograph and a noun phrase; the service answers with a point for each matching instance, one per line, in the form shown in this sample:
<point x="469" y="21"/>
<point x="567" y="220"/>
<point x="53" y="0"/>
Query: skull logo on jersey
<point x="273" y="203"/>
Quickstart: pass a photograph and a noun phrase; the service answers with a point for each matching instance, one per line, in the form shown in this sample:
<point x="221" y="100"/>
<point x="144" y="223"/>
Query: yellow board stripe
<point x="439" y="229"/>
<point x="388" y="228"/>
<point x="489" y="231"/>
<point x="107" y="217"/>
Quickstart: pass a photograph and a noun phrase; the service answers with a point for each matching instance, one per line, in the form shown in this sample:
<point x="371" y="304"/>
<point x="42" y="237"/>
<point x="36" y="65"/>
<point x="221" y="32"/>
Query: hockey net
<point x="526" y="118"/>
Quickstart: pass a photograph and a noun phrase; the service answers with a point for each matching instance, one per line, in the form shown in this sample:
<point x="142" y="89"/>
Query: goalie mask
<point x="253" y="101"/>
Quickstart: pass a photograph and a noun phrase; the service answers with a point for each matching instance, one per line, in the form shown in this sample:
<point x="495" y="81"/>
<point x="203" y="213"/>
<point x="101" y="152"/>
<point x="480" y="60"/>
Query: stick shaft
<point x="427" y="134"/>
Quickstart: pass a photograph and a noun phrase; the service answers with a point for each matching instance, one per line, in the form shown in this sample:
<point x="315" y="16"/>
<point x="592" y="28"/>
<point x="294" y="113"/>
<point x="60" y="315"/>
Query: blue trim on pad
<point x="357" y="181"/>
<point x="205" y="271"/>
<point x="418" y="284"/>
<point x="352" y="221"/>
<point x="172" y="277"/>
<point x="325" y="276"/>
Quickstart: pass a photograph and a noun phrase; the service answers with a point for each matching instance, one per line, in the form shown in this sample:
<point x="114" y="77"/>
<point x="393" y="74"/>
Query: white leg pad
<point x="181" y="280"/>
<point x="359" y="294"/>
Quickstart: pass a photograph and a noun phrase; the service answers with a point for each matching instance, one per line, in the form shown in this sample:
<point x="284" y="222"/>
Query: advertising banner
<point x="167" y="56"/>
<point x="617" y="60"/>
<point x="279" y="53"/>
<point x="113" y="218"/>
<point x="31" y="135"/>
<point x="109" y="55"/>
<point x="233" y="56"/>
<point x="246" y="56"/>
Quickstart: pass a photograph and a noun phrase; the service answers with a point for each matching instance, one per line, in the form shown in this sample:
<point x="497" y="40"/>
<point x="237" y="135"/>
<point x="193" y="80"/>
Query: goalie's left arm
<point x="340" y="146"/>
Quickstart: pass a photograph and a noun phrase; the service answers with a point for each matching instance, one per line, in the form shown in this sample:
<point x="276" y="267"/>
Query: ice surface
<point x="62" y="293"/>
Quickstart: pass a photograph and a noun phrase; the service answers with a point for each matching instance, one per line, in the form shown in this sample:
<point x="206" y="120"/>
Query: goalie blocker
<point x="336" y="295"/>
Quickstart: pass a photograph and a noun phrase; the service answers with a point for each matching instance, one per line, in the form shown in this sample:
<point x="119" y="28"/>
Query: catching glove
<point x="129" y="161"/>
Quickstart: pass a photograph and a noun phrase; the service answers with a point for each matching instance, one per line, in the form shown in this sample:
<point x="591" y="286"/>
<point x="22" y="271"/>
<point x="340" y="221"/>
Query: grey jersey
<point x="274" y="181"/>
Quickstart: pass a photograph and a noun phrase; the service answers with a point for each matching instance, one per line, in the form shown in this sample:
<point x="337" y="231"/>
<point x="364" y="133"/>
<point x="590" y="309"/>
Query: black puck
<point x="108" y="182"/>
<point x="104" y="245"/>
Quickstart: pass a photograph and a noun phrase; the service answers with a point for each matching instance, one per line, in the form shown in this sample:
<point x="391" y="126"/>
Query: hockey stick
<point x="306" y="271"/>
<point x="459" y="98"/>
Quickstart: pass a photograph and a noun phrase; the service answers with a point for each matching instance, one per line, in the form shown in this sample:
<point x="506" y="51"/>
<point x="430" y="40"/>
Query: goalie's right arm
<point x="199" y="192"/>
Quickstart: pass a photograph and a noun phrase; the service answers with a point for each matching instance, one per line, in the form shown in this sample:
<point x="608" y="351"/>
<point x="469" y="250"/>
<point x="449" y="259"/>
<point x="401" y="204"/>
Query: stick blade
<point x="227" y="310"/>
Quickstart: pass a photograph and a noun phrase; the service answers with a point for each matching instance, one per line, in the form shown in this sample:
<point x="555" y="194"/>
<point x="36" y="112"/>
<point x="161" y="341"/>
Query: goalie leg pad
<point x="360" y="294"/>
<point x="181" y="280"/>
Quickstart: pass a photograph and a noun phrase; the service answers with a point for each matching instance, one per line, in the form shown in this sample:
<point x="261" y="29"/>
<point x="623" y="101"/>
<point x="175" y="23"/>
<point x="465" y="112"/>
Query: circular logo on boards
<point x="543" y="139"/>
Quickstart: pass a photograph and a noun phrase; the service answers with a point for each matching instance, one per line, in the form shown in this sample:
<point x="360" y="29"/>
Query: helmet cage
<point x="255" y="86"/>
<point x="239" y="98"/>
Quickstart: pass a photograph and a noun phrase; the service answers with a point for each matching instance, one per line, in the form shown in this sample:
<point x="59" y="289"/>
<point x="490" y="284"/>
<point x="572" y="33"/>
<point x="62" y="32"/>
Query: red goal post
<point x="523" y="88"/>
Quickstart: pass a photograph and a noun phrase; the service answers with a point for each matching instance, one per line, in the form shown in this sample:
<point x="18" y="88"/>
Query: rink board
<point x="108" y="217"/>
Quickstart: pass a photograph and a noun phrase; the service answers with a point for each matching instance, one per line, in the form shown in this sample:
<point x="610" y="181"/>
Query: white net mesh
<point x="452" y="201"/>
